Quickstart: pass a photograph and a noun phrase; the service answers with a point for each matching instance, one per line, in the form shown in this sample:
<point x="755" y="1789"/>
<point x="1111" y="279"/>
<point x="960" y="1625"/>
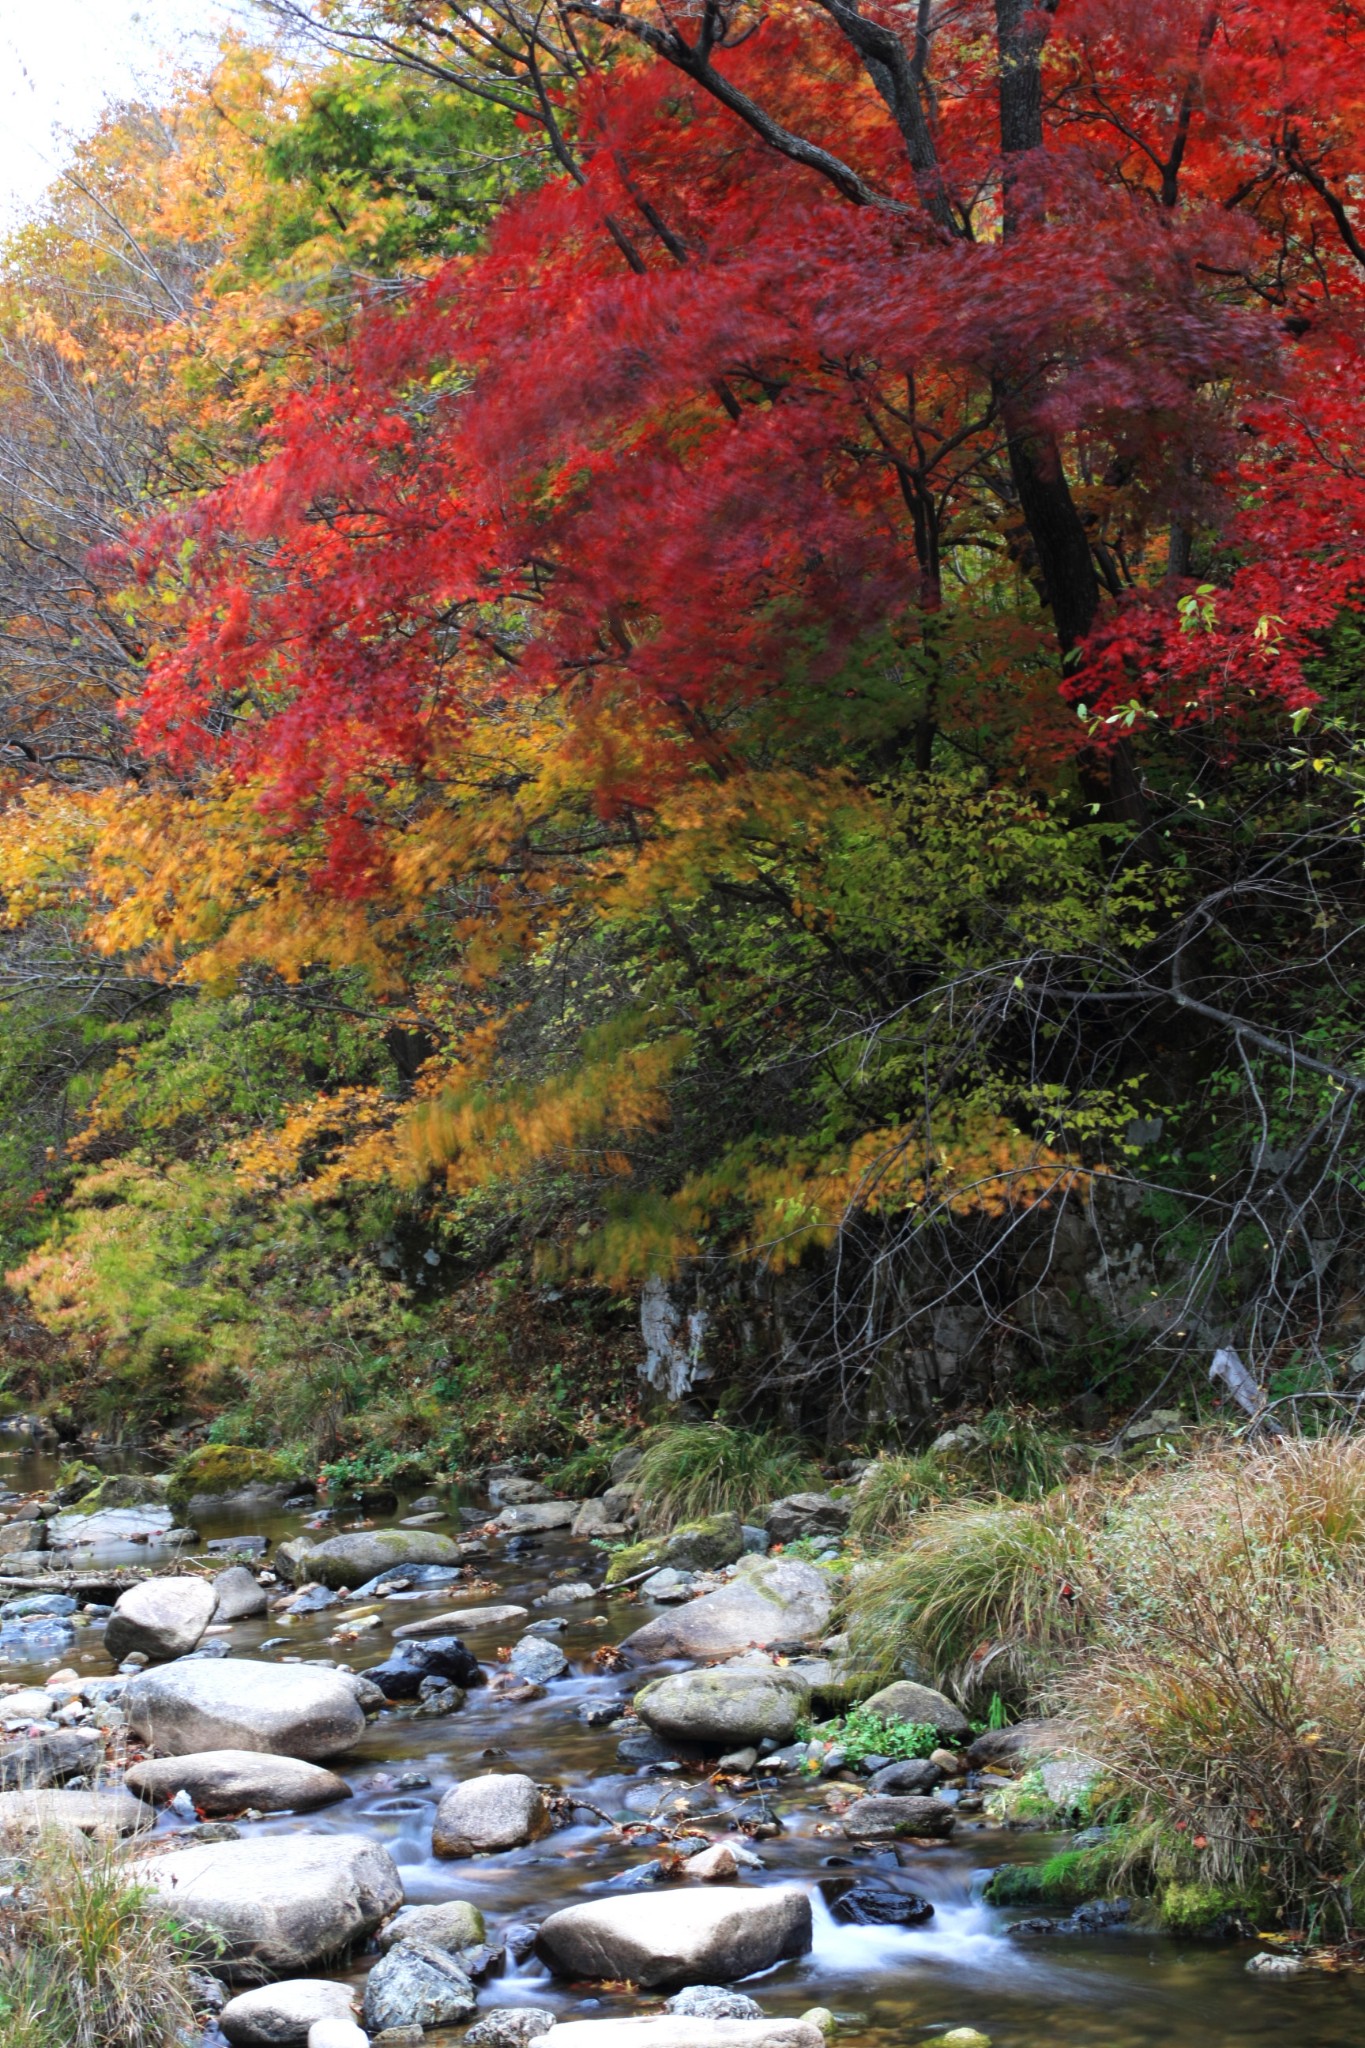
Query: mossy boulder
<point x="74" y="1481"/>
<point x="123" y="1490"/>
<point x="692" y="1547"/>
<point x="217" y="1472"/>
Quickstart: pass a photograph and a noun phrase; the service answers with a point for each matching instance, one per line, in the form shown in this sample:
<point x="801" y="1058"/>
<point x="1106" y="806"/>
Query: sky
<point x="61" y="61"/>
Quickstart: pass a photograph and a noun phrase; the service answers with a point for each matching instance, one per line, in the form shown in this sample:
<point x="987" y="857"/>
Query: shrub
<point x="90" y="1958"/>
<point x="988" y="1595"/>
<point x="703" y="1468"/>
<point x="861" y="1734"/>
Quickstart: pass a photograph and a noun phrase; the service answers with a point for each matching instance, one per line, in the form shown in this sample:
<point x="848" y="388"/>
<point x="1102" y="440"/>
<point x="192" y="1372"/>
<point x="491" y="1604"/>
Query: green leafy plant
<point x="862" y="1734"/>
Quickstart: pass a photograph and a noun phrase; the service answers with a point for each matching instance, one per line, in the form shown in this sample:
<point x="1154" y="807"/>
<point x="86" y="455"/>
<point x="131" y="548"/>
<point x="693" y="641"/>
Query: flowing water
<point x="1120" y="1990"/>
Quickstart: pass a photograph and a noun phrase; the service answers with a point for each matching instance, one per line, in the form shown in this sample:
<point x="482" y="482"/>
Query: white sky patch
<point x="63" y="61"/>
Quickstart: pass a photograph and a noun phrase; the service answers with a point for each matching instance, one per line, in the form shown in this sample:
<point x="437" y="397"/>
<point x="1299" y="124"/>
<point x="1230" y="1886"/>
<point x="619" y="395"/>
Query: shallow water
<point x="961" y="1969"/>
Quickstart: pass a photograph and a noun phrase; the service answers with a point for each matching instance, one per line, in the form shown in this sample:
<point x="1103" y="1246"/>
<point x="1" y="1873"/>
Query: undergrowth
<point x="862" y="1734"/>
<point x="706" y="1468"/>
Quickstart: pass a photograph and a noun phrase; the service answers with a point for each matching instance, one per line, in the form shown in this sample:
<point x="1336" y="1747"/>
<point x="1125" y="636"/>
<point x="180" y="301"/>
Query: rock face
<point x="693" y="1547"/>
<point x="677" y="2031"/>
<point x="722" y="1708"/>
<point x="400" y="1676"/>
<point x="104" y="1816"/>
<point x="161" y="1618"/>
<point x="452" y="1925"/>
<point x="806" y="1514"/>
<point x="416" y="1985"/>
<point x="280" y="1903"/>
<point x="365" y="1554"/>
<point x="278" y="2015"/>
<point x="484" y="1815"/>
<point x="237" y="1597"/>
<point x="50" y="1759"/>
<point x="882" y="1817"/>
<point x="769" y="1600"/>
<point x="906" y="1701"/>
<point x="230" y="1780"/>
<point x="664" y="1941"/>
<point x="232" y="1703"/>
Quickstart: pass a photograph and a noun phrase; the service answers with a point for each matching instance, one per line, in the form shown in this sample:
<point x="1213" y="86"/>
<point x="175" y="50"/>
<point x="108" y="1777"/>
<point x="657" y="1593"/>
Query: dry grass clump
<point x="88" y="1957"/>
<point x="703" y="1468"/>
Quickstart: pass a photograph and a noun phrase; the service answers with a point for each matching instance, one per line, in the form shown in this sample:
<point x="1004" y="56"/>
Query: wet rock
<point x="238" y="1546"/>
<point x="600" y="1713"/>
<point x="677" y="1938"/>
<point x="280" y="1903"/>
<point x="19" y="1537"/>
<point x="537" y="1661"/>
<point x="670" y="1799"/>
<point x="739" y="1761"/>
<point x="918" y="1774"/>
<point x="806" y="1514"/>
<point x="365" y="1554"/>
<point x="509" y="2026"/>
<point x="1267" y="1965"/>
<point x="231" y="1780"/>
<point x="487" y="1814"/>
<point x="237" y="1596"/>
<point x="311" y="1600"/>
<point x="55" y="1605"/>
<point x="870" y="1903"/>
<point x="906" y="1701"/>
<point x="713" y="2002"/>
<point x="275" y="2015"/>
<point x="416" y="1985"/>
<point x="768" y="1600"/>
<point x="693" y="1546"/>
<point x="452" y="1925"/>
<point x="539" y="1516"/>
<point x="673" y="2032"/>
<point x="162" y="1618"/>
<point x="285" y="1710"/>
<point x="400" y="1676"/>
<point x="1014" y="1748"/>
<point x="366" y="1694"/>
<point x="600" y="1519"/>
<point x="514" y="1491"/>
<point x="457" y="1620"/>
<point x="882" y="1817"/>
<point x="641" y="1747"/>
<point x="668" y="1587"/>
<point x="960" y="2037"/>
<point x="715" y="1708"/>
<point x="571" y="1595"/>
<point x="103" y="1815"/>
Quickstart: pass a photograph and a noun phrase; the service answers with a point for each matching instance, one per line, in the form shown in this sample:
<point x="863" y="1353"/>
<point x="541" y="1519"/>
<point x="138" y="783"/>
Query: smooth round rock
<point x="280" y="1903"/>
<point x="484" y="1815"/>
<point x="537" y="1661"/>
<point x="237" y="1597"/>
<point x="769" y="1600"/>
<point x="452" y="1924"/>
<point x="231" y="1780"/>
<point x="105" y="1816"/>
<point x="278" y="2015"/>
<point x="364" y="1554"/>
<point x="663" y="1941"/>
<point x="161" y="1618"/>
<point x="720" y="1708"/>
<point x="235" y="1703"/>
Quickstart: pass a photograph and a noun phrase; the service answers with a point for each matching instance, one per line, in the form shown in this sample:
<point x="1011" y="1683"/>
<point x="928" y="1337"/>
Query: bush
<point x="704" y="1468"/>
<point x="988" y="1596"/>
<point x="91" y="1958"/>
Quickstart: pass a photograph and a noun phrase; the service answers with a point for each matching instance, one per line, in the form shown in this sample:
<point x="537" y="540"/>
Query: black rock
<point x="637" y="1879"/>
<point x="599" y="1713"/>
<point x="913" y="1775"/>
<point x="400" y="1676"/>
<point x="870" y="1904"/>
<point x="643" y="1748"/>
<point x="520" y="1940"/>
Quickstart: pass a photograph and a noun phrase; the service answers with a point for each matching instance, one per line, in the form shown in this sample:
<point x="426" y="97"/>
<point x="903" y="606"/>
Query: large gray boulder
<point x="160" y="1618"/>
<point x="906" y="1701"/>
<point x="364" y="1554"/>
<point x="231" y="1780"/>
<point x="769" y="1600"/>
<point x="416" y="1985"/>
<point x="724" y="1708"/>
<point x="665" y="1940"/>
<point x="279" y="2015"/>
<point x="104" y="1815"/>
<point x="806" y="1514"/>
<point x="485" y="1815"/>
<point x="237" y="1597"/>
<point x="279" y="1903"/>
<point x="537" y="1516"/>
<point x="234" y="1703"/>
<point x="676" y="2030"/>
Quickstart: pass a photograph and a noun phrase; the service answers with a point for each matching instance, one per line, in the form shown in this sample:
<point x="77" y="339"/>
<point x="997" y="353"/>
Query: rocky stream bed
<point x="405" y="1774"/>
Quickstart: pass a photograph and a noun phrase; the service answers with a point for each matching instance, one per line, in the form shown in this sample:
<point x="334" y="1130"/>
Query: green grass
<point x="896" y="1489"/>
<point x="704" y="1468"/>
<point x="861" y="1734"/>
<point x="88" y="1957"/>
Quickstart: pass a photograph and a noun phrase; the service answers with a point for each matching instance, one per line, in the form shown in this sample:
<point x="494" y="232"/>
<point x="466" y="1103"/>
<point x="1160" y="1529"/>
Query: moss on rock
<point x="692" y="1547"/>
<point x="226" y="1468"/>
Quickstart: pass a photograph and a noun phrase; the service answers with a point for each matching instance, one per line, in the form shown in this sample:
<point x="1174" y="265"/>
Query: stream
<point x="1119" y="1990"/>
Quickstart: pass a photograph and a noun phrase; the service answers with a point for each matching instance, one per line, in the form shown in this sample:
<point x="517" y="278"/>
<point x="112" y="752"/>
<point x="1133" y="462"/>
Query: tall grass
<point x="88" y="1957"/>
<point x="896" y="1489"/>
<point x="702" y="1468"/>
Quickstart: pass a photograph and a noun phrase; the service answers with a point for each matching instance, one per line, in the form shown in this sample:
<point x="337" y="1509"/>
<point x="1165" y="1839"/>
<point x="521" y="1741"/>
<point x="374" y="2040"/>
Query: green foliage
<point x="862" y="1734"/>
<point x="226" y="1468"/>
<point x="700" y="1469"/>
